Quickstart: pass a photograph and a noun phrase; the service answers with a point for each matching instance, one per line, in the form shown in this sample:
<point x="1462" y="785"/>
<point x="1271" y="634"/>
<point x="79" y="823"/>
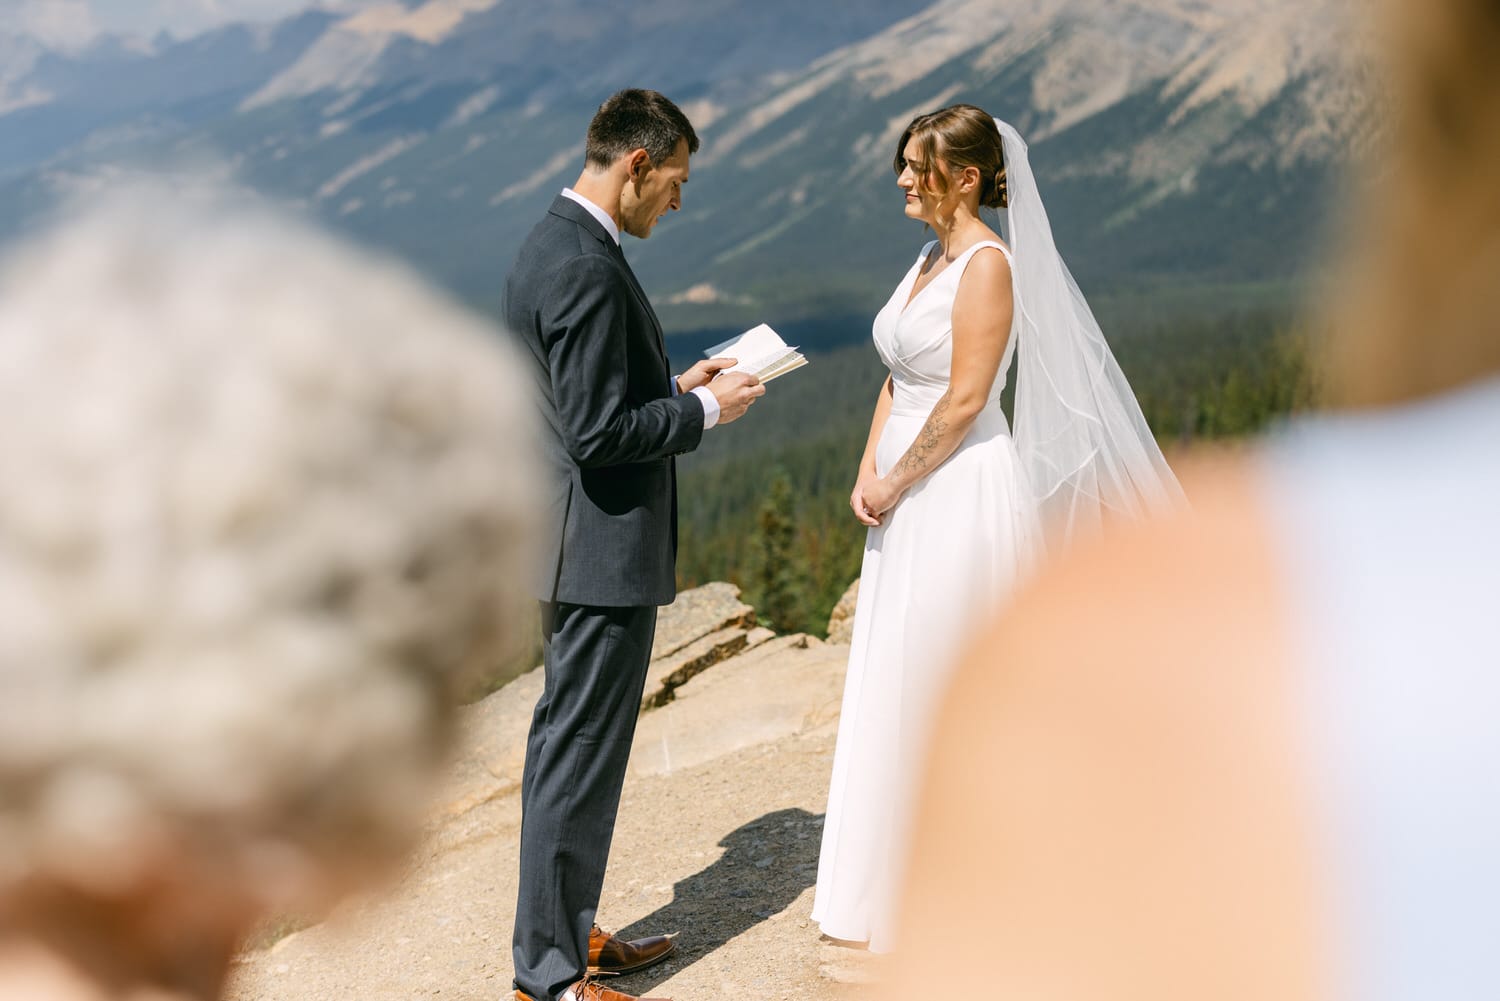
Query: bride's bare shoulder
<point x="986" y="273"/>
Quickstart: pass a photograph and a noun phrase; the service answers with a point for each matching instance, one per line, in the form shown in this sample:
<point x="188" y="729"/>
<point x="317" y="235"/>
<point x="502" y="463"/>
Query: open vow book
<point x="760" y="351"/>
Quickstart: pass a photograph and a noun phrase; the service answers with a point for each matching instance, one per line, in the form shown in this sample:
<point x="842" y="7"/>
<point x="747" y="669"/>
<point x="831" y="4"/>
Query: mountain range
<point x="1179" y="143"/>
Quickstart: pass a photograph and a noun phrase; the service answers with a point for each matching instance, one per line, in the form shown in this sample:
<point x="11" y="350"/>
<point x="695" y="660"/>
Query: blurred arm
<point x="1115" y="794"/>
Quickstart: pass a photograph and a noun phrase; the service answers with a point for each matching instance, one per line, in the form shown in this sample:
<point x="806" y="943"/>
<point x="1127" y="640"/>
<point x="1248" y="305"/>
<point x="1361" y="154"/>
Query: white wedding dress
<point x="944" y="555"/>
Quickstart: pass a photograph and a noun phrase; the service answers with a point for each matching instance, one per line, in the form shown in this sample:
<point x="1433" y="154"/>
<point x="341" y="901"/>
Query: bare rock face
<point x="702" y="628"/>
<point x="787" y="686"/>
<point x="669" y="673"/>
<point x="841" y="621"/>
<point x="697" y="613"/>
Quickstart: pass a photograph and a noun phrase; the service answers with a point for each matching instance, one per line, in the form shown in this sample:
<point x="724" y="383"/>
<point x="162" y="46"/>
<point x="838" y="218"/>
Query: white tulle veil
<point x="1083" y="441"/>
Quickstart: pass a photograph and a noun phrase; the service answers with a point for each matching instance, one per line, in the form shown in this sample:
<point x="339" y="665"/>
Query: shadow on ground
<point x="766" y="865"/>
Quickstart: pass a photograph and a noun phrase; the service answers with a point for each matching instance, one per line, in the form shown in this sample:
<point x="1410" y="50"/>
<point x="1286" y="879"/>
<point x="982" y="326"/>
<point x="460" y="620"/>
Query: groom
<point x="613" y="421"/>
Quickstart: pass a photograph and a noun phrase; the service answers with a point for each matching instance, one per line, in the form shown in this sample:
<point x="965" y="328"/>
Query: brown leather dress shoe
<point x="608" y="954"/>
<point x="589" y="989"/>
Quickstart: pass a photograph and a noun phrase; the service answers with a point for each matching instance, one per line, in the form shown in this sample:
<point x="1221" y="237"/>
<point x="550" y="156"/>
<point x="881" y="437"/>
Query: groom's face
<point x="653" y="190"/>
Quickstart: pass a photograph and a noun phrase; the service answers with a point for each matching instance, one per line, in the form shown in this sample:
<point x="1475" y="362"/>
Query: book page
<point x="790" y="364"/>
<point x="755" y="366"/>
<point x="760" y="352"/>
<point x="757" y="343"/>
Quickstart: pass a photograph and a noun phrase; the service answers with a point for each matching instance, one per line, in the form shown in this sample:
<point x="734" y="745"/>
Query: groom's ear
<point x="637" y="165"/>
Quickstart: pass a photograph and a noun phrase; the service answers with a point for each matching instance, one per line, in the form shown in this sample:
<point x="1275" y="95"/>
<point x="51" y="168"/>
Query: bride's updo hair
<point x="958" y="136"/>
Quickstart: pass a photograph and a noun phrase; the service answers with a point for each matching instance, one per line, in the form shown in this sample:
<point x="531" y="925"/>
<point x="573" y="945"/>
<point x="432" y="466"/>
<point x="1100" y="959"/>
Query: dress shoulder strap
<point x="961" y="263"/>
<point x="991" y="243"/>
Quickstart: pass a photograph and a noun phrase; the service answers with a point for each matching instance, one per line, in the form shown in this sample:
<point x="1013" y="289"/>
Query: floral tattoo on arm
<point x="915" y="459"/>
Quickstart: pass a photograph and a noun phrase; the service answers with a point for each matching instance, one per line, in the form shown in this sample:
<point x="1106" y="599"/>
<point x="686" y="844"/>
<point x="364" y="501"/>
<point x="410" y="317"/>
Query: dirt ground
<point x="717" y="843"/>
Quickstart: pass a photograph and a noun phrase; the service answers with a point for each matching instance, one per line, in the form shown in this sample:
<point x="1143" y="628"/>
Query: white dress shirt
<point x="705" y="396"/>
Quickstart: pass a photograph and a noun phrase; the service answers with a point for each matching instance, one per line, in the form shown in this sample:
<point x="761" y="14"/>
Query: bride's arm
<point x="981" y="325"/>
<point x="867" y="474"/>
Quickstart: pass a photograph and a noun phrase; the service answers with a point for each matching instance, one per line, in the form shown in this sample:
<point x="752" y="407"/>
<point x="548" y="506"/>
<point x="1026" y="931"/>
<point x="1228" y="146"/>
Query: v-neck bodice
<point x="914" y="333"/>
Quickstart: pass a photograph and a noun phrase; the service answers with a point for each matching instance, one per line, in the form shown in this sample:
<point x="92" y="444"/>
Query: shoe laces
<point x="591" y="987"/>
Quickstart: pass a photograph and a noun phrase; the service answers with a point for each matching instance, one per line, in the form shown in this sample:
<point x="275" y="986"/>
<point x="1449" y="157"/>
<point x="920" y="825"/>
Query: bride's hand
<point x="860" y="500"/>
<point x="880" y="497"/>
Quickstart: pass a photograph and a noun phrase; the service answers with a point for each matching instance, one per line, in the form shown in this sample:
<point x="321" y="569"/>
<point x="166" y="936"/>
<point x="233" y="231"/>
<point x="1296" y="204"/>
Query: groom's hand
<point x="735" y="392"/>
<point x="701" y="373"/>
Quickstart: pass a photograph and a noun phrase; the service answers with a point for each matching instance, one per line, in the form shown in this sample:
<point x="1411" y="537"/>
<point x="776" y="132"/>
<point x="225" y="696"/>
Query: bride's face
<point x="922" y="202"/>
<point x="919" y="201"/>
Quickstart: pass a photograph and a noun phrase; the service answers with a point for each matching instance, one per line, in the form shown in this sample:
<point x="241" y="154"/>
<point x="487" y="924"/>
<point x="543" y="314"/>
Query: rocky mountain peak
<point x="1170" y="134"/>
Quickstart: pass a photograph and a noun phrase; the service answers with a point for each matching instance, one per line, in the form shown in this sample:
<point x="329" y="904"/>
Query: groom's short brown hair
<point x="637" y="119"/>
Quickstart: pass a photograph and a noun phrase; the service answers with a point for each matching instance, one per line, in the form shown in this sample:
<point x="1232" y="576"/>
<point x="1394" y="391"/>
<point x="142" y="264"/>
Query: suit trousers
<point x="594" y="661"/>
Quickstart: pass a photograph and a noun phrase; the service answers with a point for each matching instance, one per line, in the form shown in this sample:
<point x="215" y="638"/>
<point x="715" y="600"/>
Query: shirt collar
<point x="596" y="212"/>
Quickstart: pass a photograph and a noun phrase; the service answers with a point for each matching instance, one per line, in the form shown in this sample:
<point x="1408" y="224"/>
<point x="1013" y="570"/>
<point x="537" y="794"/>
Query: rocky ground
<point x="717" y="839"/>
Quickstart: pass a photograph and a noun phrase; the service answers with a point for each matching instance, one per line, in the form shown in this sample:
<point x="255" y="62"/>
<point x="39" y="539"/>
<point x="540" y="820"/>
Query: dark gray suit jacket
<point x="611" y="425"/>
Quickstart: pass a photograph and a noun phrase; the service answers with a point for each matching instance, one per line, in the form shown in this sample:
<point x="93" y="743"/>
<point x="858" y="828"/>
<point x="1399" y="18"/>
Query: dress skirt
<point x="946" y="555"/>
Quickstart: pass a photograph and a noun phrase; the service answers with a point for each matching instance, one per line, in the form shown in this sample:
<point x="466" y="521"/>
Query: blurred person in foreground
<point x="263" y="507"/>
<point x="1270" y="767"/>
<point x="613" y="420"/>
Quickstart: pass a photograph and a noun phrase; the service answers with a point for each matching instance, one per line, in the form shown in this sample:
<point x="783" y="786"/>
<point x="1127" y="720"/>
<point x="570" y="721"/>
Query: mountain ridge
<point x="1175" y="140"/>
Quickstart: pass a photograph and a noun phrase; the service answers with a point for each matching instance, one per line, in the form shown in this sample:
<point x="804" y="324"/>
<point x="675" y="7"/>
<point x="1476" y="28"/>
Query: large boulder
<point x="841" y="621"/>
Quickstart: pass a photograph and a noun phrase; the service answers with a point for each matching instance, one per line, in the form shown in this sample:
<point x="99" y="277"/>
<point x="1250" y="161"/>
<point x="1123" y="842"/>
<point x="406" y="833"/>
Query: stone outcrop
<point x="841" y="620"/>
<point x="697" y="613"/>
<point x="703" y="627"/>
<point x="667" y="674"/>
<point x="785" y="686"/>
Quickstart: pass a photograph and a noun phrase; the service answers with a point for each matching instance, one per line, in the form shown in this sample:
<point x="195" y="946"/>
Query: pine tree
<point x="778" y="576"/>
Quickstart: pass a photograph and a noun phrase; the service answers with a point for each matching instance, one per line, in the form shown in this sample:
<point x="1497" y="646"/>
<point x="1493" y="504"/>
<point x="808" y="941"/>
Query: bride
<point x="957" y="506"/>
